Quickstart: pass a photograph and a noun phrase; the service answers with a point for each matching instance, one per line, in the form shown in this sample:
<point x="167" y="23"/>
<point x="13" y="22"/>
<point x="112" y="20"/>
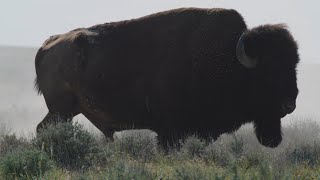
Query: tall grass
<point x="73" y="153"/>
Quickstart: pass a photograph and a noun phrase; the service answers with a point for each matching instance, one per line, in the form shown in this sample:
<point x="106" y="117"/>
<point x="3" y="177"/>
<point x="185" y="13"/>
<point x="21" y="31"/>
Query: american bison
<point x="181" y="71"/>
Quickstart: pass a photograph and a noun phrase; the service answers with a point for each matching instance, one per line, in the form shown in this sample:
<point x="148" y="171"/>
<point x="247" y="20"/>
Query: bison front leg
<point x="268" y="131"/>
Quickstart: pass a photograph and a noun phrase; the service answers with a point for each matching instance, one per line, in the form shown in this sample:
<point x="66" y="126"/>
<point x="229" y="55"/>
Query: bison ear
<point x="243" y="58"/>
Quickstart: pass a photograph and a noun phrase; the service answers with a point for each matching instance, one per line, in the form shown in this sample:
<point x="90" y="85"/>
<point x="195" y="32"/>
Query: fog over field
<point x="21" y="109"/>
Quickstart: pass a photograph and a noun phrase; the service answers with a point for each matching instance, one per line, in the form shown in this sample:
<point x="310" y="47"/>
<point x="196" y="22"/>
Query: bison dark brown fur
<point x="181" y="71"/>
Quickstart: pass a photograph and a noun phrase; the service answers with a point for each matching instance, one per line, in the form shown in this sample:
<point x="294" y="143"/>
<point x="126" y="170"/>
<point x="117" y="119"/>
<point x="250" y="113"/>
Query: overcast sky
<point x="30" y="22"/>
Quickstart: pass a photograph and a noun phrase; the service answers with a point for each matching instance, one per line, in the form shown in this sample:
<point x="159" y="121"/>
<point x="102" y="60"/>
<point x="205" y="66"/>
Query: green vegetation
<point x="68" y="151"/>
<point x="25" y="163"/>
<point x="69" y="145"/>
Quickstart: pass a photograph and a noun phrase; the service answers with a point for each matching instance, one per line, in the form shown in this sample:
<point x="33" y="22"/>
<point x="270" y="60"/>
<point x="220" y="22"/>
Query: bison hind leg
<point x="52" y="119"/>
<point x="36" y="86"/>
<point x="63" y="106"/>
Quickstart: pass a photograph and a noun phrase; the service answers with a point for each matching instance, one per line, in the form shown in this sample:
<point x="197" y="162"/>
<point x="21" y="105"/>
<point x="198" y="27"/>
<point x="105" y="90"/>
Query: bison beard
<point x="176" y="72"/>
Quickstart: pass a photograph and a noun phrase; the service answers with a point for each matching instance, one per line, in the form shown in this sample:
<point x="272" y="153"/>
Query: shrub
<point x="108" y="154"/>
<point x="140" y="144"/>
<point x="193" y="146"/>
<point x="9" y="143"/>
<point x="69" y="145"/>
<point x="217" y="153"/>
<point x="237" y="146"/>
<point x="25" y="163"/>
<point x="309" y="154"/>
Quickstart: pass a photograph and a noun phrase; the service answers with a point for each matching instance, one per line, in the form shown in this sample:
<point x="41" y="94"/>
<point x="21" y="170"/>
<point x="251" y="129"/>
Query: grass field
<point x="68" y="151"/>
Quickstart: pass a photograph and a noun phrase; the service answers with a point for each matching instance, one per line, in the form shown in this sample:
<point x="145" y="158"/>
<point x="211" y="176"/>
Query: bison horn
<point x="245" y="60"/>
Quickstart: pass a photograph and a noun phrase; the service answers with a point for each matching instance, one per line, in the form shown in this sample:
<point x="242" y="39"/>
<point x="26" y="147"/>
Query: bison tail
<point x="36" y="86"/>
<point x="37" y="63"/>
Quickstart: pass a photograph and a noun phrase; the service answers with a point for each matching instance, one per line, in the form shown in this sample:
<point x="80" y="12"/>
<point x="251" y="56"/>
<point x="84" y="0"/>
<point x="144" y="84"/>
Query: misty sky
<point x="30" y="22"/>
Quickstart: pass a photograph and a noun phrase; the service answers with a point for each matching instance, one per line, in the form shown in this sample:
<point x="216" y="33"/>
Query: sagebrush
<point x="67" y="151"/>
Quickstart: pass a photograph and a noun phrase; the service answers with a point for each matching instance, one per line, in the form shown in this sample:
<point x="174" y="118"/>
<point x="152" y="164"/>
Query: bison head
<point x="271" y="54"/>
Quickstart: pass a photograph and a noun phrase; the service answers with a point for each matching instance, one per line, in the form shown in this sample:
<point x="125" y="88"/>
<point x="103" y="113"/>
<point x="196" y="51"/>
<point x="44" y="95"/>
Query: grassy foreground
<point x="68" y="151"/>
